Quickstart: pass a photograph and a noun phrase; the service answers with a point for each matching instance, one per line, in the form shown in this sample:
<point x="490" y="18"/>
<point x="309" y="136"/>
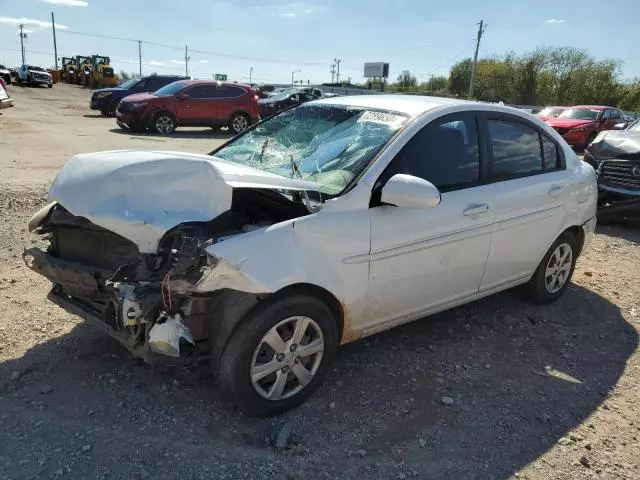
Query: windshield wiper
<point x="295" y="170"/>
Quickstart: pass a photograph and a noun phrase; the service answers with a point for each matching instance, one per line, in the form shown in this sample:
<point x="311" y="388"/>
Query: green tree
<point x="460" y="77"/>
<point x="406" y="82"/>
<point x="435" y="84"/>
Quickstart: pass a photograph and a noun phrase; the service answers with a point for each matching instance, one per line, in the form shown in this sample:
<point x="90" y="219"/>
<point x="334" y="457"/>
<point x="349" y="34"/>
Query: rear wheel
<point x="553" y="275"/>
<point x="163" y="123"/>
<point x="239" y="122"/>
<point x="279" y="355"/>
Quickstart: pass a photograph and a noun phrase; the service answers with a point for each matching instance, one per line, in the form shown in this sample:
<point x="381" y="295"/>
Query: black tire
<point x="50" y="85"/>
<point x="167" y="125"/>
<point x="590" y="139"/>
<point x="239" y="122"/>
<point x="234" y="369"/>
<point x="536" y="290"/>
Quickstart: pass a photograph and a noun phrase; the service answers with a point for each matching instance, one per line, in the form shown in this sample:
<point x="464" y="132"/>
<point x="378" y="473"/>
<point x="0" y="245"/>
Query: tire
<point x="538" y="289"/>
<point x="50" y="85"/>
<point x="239" y="122"/>
<point x="247" y="347"/>
<point x="590" y="139"/>
<point x="163" y="123"/>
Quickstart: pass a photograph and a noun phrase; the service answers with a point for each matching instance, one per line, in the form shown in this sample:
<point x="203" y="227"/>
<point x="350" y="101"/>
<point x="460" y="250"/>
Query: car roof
<point x="213" y="82"/>
<point x="412" y="105"/>
<point x="591" y="107"/>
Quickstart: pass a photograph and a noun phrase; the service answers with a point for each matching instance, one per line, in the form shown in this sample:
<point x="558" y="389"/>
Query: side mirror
<point x="620" y="126"/>
<point x="294" y="98"/>
<point x="183" y="96"/>
<point x="409" y="192"/>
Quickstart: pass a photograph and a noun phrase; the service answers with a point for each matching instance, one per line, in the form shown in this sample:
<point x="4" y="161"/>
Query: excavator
<point x="69" y="69"/>
<point x="84" y="70"/>
<point x="102" y="74"/>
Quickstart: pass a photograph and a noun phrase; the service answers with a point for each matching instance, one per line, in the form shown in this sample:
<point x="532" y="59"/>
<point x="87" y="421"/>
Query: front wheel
<point x="164" y="123"/>
<point x="279" y="355"/>
<point x="553" y="275"/>
<point x="49" y="85"/>
<point x="239" y="122"/>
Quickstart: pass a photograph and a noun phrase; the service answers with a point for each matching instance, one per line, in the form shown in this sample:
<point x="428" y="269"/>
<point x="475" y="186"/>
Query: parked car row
<point x="579" y="125"/>
<point x="162" y="103"/>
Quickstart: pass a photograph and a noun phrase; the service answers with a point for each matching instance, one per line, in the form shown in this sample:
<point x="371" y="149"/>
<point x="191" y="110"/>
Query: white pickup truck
<point x="5" y="99"/>
<point x="35" y="75"/>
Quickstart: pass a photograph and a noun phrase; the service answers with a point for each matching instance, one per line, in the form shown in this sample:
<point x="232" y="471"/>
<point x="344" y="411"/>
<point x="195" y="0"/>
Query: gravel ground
<point x="493" y="390"/>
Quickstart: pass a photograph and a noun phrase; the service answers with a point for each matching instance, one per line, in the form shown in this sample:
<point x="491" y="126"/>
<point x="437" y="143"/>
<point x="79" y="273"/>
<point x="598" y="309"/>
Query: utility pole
<point x="186" y="61"/>
<point x="333" y="72"/>
<point x="295" y="71"/>
<point x="250" y="74"/>
<point x="22" y="35"/>
<point x="55" y="45"/>
<point x="481" y="29"/>
<point x="337" y="60"/>
<point x="140" y="57"/>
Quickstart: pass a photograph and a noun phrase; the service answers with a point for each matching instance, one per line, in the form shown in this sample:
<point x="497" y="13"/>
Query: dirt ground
<point x="494" y="390"/>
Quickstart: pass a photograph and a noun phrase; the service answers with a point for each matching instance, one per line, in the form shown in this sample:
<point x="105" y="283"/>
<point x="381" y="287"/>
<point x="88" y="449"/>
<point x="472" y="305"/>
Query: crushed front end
<point x="144" y="300"/>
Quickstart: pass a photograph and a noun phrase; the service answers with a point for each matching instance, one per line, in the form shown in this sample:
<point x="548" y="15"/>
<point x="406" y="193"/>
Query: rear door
<point x="199" y="107"/>
<point x="227" y="97"/>
<point x="529" y="189"/>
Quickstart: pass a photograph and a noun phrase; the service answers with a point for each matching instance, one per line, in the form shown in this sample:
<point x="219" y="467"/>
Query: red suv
<point x="579" y="125"/>
<point x="193" y="103"/>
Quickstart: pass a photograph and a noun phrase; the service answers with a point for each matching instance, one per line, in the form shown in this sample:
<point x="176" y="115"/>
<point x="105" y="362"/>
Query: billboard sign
<point x="376" y="69"/>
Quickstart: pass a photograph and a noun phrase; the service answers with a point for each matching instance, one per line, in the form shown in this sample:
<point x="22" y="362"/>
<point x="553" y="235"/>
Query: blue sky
<point x="423" y="36"/>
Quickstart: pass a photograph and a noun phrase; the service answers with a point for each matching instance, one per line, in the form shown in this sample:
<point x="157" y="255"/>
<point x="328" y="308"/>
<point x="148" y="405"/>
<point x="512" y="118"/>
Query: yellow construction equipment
<point x="102" y="74"/>
<point x="69" y="70"/>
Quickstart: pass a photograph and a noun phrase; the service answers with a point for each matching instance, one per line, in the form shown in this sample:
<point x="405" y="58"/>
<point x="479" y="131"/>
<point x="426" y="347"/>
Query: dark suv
<point x="106" y="99"/>
<point x="191" y="103"/>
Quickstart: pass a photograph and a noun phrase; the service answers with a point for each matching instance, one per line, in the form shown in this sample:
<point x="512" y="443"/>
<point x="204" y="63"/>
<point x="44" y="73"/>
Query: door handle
<point x="556" y="190"/>
<point x="476" y="209"/>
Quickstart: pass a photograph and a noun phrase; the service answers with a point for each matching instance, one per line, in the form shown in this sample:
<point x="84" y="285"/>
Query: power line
<point x="203" y="52"/>
<point x="448" y="61"/>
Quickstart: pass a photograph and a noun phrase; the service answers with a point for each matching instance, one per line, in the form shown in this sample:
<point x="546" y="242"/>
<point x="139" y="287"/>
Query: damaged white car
<point x="329" y="222"/>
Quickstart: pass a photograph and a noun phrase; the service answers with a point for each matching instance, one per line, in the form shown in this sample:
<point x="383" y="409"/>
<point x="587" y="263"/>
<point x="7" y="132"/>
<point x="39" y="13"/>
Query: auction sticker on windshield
<point x="383" y="118"/>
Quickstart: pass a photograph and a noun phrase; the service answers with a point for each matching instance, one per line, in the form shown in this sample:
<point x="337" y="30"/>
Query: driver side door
<point x="425" y="258"/>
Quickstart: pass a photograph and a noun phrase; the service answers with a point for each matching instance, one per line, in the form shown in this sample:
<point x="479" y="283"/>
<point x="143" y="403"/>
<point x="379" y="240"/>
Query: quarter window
<point x="516" y="150"/>
<point x="444" y="153"/>
<point x="551" y="155"/>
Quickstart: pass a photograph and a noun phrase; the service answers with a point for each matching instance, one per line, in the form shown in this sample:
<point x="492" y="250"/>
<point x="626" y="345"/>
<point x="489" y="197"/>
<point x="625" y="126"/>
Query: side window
<point x="516" y="150"/>
<point x="444" y="152"/>
<point x="551" y="154"/>
<point x="151" y="85"/>
<point x="199" y="91"/>
<point x="616" y="114"/>
<point x="228" y="91"/>
<point x="606" y="115"/>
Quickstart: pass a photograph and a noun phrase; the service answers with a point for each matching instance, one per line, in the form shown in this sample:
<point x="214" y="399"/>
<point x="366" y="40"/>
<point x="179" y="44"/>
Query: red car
<point x="193" y="103"/>
<point x="579" y="125"/>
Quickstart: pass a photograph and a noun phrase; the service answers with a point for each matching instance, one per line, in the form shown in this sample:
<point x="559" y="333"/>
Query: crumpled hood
<point x="569" y="123"/>
<point x="40" y="72"/>
<point x="615" y="144"/>
<point x="141" y="195"/>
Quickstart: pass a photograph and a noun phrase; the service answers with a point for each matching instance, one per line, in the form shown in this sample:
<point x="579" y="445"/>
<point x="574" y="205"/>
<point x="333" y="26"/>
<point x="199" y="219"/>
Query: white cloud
<point x="155" y="63"/>
<point x="203" y="61"/>
<point x="555" y="21"/>
<point x="30" y="22"/>
<point x="70" y="3"/>
<point x="179" y="62"/>
<point x="288" y="14"/>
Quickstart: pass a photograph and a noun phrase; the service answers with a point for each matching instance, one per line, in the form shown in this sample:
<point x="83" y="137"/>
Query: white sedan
<point x="327" y="223"/>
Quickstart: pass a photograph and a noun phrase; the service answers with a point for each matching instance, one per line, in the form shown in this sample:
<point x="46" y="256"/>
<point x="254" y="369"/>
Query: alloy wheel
<point x="239" y="123"/>
<point x="287" y="358"/>
<point x="164" y="124"/>
<point x="558" y="268"/>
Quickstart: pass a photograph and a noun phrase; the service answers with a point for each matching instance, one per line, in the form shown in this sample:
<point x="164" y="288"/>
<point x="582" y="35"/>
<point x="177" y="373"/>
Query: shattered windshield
<point x="326" y="144"/>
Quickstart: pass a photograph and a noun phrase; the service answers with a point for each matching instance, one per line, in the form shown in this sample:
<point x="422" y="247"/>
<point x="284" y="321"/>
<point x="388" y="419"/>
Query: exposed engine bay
<point x="151" y="301"/>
